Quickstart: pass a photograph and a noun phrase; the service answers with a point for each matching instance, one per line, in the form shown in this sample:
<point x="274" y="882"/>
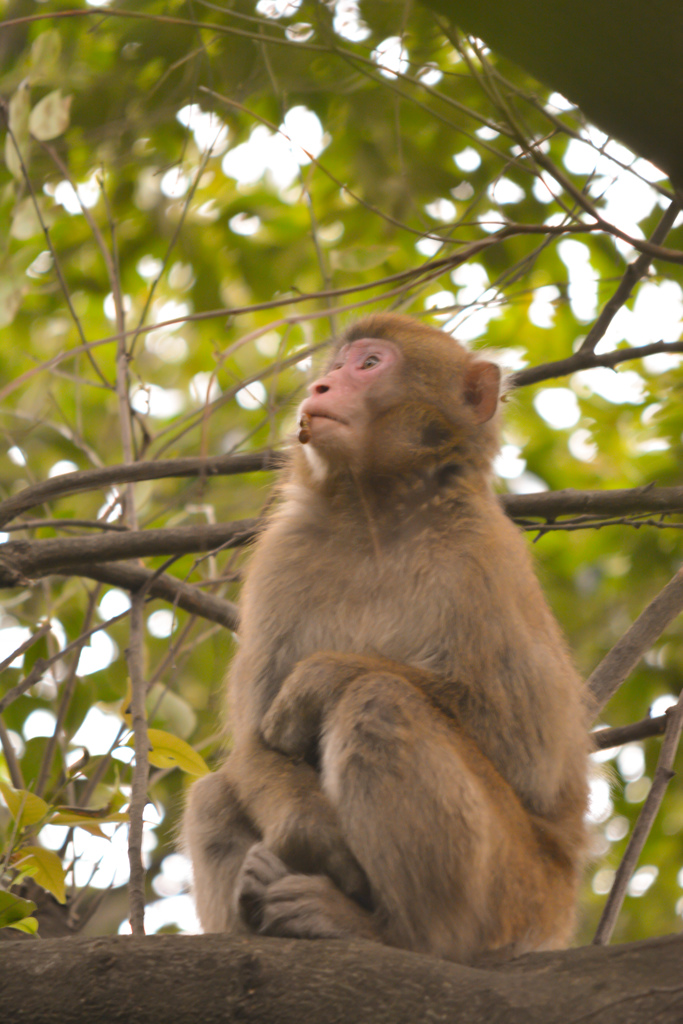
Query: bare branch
<point x="94" y="479"/>
<point x="551" y="504"/>
<point x="639" y="638"/>
<point x="605" y="739"/>
<point x="546" y="505"/>
<point x="585" y="360"/>
<point x="131" y="576"/>
<point x="21" y="560"/>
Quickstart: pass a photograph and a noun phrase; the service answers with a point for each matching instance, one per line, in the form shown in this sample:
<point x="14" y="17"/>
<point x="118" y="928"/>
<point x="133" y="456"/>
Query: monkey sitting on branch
<point x="410" y="740"/>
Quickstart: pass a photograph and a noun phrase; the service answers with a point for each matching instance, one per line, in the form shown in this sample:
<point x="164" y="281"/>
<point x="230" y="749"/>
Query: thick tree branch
<point x="21" y="560"/>
<point x="182" y="979"/>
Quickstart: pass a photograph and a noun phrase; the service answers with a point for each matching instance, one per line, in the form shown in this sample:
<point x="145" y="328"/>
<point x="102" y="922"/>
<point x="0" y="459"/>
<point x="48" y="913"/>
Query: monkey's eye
<point x="369" y="362"/>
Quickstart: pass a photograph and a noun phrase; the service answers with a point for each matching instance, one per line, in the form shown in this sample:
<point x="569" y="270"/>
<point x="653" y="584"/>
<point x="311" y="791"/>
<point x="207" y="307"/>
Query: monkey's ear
<point x="482" y="389"/>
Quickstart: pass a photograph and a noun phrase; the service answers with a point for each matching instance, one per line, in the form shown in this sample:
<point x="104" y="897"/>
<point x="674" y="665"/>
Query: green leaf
<point x="25" y="807"/>
<point x="13" y="908"/>
<point x="46" y="868"/>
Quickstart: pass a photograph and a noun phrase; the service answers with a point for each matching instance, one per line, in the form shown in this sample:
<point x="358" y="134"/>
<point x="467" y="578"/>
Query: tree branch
<point x="188" y="596"/>
<point x="584" y="359"/>
<point x="181" y="979"/>
<point x="96" y="479"/>
<point x="605" y="739"/>
<point x="633" y="273"/>
<point x="638" y="638"/>
<point x="21" y="560"/>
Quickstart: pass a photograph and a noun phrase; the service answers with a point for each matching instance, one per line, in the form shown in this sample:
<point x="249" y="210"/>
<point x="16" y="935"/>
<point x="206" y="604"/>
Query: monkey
<point x="410" y="734"/>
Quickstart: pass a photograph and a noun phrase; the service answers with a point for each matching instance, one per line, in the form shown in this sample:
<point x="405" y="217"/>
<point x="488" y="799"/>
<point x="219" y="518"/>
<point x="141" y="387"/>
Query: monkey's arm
<point x="295" y="719"/>
<point x="283" y="799"/>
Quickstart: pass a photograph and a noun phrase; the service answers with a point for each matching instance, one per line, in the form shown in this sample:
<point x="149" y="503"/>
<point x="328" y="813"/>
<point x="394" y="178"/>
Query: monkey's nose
<point x="318" y="388"/>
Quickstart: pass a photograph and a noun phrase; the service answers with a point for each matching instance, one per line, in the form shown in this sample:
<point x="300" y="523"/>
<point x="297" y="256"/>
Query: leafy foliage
<point x="229" y="186"/>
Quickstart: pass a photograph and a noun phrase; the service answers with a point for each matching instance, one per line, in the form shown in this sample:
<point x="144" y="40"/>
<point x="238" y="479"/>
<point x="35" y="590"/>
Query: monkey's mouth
<point x="319" y="415"/>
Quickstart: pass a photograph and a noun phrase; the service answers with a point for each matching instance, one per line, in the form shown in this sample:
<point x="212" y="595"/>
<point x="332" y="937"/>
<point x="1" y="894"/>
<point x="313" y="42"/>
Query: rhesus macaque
<point x="410" y="741"/>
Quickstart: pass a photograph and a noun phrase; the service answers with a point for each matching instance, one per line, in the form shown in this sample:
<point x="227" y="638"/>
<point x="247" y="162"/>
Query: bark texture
<point x="211" y="978"/>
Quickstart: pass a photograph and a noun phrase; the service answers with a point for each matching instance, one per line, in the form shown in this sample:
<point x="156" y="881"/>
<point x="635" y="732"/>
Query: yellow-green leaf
<point x="24" y="806"/>
<point x="74" y="818"/>
<point x="168" y="751"/>
<point x="50" y="117"/>
<point x="46" y="868"/>
<point x="27" y="924"/>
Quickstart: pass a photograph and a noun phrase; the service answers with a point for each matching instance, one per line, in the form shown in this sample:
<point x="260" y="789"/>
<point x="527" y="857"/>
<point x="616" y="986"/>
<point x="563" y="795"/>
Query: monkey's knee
<point x="216" y="835"/>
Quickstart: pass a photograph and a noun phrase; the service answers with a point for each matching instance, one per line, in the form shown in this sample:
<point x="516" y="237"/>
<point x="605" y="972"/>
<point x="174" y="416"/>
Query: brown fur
<point x="410" y="738"/>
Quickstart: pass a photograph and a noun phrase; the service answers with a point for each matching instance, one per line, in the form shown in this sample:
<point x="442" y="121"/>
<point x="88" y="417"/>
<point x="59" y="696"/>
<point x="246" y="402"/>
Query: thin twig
<point x="134" y="654"/>
<point x="663" y="775"/>
<point x="27" y="644"/>
<point x="633" y="274"/>
<point x="41" y="665"/>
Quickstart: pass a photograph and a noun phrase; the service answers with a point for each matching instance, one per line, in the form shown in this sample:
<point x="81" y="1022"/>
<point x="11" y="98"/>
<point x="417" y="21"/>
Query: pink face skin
<point x="337" y="407"/>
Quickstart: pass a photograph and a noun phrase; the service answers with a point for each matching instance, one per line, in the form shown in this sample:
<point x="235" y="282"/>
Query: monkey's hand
<point x="292" y="727"/>
<point x="310" y="692"/>
<point x="310" y="841"/>
<point x="260" y="868"/>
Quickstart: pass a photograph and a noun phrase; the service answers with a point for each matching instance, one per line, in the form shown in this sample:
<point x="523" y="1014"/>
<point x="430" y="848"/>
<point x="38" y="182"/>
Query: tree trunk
<point x="206" y="979"/>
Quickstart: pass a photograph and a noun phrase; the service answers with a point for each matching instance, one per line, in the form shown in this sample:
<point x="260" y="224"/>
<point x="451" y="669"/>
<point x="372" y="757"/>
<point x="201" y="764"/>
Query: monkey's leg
<point x="292" y="815"/>
<point x="217" y="836"/>
<point x="453" y="864"/>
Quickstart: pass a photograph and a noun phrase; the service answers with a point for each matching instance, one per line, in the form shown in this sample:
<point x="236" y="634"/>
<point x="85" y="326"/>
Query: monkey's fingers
<point x="260" y="868"/>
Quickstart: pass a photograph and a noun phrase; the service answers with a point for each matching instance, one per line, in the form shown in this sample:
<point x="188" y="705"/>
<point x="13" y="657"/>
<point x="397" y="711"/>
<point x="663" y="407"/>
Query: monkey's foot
<point x="260" y="868"/>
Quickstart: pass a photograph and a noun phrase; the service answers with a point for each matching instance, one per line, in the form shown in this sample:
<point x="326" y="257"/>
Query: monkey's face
<point x="360" y="384"/>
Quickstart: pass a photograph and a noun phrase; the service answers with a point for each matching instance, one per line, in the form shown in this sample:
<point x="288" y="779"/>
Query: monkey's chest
<point x="393" y="605"/>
